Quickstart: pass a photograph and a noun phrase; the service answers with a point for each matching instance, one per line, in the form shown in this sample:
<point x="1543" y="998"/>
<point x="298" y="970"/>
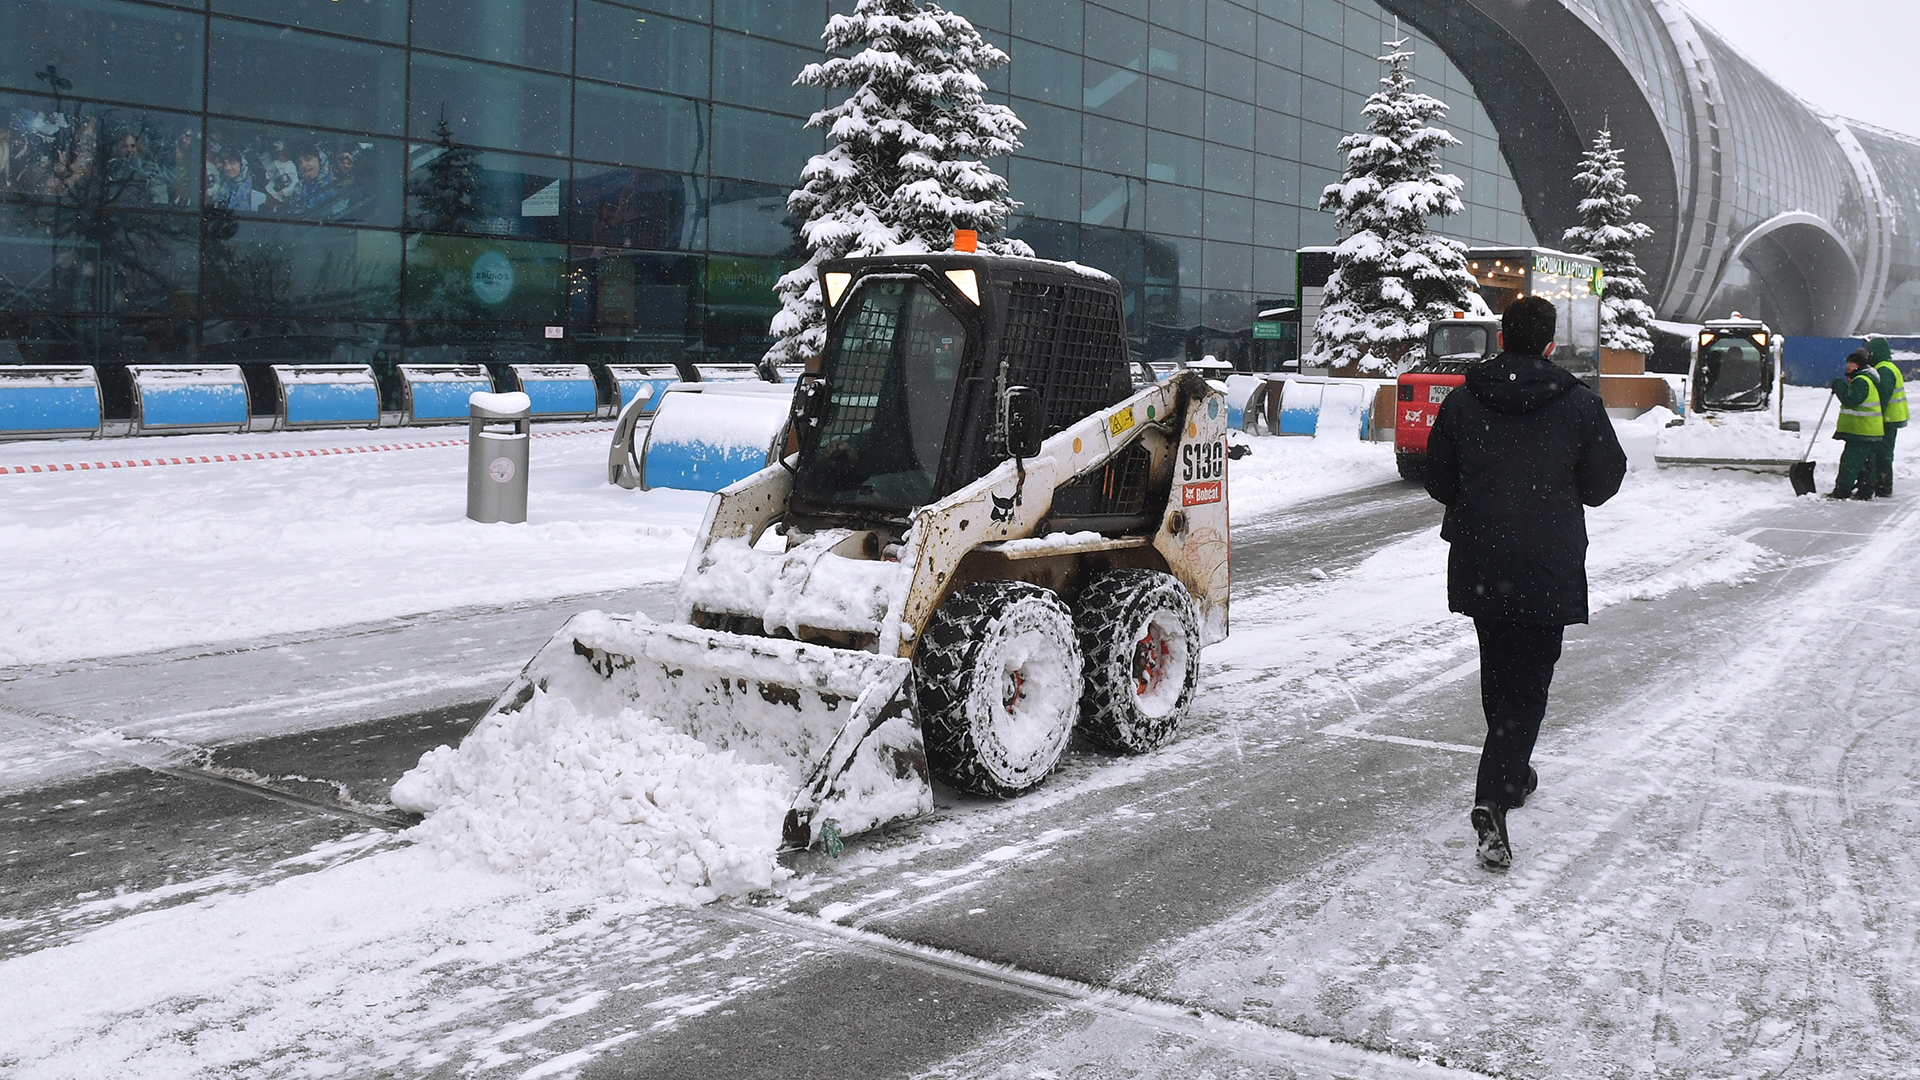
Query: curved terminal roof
<point x="1759" y="200"/>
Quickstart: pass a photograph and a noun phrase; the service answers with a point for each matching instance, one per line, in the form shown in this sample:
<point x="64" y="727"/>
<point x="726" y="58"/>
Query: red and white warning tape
<point x="269" y="455"/>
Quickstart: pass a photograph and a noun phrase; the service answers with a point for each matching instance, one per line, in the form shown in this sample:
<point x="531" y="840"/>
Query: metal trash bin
<point x="499" y="432"/>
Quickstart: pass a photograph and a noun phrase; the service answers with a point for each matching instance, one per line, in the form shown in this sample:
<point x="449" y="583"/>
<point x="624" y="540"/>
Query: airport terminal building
<point x="599" y="181"/>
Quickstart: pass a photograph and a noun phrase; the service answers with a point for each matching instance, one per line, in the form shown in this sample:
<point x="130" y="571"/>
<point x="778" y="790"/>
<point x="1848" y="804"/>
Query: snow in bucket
<point x="1743" y="436"/>
<point x="562" y="798"/>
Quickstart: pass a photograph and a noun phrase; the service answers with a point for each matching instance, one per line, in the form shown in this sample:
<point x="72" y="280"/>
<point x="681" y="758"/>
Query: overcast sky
<point x="1853" y="57"/>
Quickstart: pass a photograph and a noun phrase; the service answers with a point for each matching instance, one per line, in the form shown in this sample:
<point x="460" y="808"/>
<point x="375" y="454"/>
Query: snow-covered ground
<point x="136" y="559"/>
<point x="305" y="977"/>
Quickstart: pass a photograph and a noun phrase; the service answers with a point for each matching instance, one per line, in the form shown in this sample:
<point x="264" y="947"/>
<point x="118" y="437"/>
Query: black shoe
<point x="1838" y="495"/>
<point x="1490" y="822"/>
<point x="1883" y="493"/>
<point x="1533" y="784"/>
<point x="1863" y="496"/>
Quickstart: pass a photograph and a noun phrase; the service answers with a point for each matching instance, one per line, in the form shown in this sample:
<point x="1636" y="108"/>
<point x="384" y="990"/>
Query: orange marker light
<point x="965" y="240"/>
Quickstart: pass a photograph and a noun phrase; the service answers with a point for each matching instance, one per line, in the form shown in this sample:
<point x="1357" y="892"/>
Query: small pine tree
<point x="1391" y="274"/>
<point x="1608" y="232"/>
<point x="906" y="166"/>
<point x="442" y="195"/>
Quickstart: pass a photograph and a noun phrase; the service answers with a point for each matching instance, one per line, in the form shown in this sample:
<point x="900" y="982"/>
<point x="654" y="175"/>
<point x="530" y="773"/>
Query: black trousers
<point x="1516" y="668"/>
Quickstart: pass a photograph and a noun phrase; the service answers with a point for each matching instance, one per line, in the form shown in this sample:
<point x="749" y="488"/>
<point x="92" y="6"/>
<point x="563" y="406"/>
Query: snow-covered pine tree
<point x="1608" y="232"/>
<point x="906" y="167"/>
<point x="441" y="196"/>
<point x="1391" y="274"/>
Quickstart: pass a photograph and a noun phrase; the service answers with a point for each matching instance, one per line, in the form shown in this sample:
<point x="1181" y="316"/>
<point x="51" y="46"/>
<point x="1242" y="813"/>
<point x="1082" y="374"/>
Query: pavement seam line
<point x="219" y="779"/>
<point x="1236" y="1034"/>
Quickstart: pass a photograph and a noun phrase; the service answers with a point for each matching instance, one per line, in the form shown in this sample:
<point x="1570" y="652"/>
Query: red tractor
<point x="1453" y="346"/>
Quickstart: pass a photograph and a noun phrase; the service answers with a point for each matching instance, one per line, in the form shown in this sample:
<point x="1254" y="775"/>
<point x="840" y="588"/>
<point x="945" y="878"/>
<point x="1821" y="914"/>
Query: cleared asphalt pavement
<point x="1206" y="910"/>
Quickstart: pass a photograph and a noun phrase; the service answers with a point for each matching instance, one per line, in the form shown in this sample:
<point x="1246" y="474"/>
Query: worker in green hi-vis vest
<point x="1893" y="409"/>
<point x="1859" y="426"/>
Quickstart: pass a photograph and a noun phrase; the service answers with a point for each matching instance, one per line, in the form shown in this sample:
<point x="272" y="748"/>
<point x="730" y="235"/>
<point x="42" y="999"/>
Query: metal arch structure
<point x="1806" y="270"/>
<point x="1733" y="170"/>
<point x="1549" y="75"/>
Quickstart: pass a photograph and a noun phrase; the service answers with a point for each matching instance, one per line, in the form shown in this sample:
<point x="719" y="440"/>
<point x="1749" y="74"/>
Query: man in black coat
<point x="1515" y="454"/>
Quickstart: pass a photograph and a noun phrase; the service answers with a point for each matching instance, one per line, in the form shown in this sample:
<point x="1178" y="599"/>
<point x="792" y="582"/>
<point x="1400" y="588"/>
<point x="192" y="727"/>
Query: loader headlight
<point x="1760" y="340"/>
<point x="967" y="282"/>
<point x="837" y="282"/>
<point x="1706" y="338"/>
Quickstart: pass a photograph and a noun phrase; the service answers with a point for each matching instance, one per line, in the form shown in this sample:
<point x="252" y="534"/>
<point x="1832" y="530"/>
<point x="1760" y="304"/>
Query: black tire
<point x="1141" y="639"/>
<point x="1413" y="467"/>
<point x="988" y="639"/>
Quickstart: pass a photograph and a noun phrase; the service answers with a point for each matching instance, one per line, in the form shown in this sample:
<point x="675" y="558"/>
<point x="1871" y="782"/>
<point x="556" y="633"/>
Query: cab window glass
<point x="891" y="366"/>
<point x="1460" y="341"/>
<point x="1734" y="374"/>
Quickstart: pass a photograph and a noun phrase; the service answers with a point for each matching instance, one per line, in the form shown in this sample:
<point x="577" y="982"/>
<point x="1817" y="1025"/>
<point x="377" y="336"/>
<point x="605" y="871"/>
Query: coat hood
<point x="1515" y="383"/>
<point x="1879" y="349"/>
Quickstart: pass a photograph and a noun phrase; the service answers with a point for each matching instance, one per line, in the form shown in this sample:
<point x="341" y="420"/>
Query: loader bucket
<point x="840" y="723"/>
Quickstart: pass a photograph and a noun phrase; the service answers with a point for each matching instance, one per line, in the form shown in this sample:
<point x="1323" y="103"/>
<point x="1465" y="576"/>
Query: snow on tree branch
<point x="1391" y="274"/>
<point x="906" y="166"/>
<point x="1607" y="231"/>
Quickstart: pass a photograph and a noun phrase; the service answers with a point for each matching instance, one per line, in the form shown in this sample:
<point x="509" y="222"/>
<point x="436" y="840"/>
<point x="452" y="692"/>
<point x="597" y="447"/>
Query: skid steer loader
<point x="982" y="537"/>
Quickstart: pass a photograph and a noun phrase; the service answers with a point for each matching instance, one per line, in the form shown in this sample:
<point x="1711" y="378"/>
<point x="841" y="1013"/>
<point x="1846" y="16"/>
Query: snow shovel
<point x="1802" y="472"/>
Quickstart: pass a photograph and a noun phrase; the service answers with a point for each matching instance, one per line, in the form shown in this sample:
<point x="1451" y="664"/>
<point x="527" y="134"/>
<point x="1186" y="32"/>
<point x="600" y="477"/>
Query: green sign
<point x="1559" y="267"/>
<point x="1268" y="331"/>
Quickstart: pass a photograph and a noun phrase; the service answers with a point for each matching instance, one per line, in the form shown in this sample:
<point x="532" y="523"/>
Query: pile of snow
<point x="1285" y="471"/>
<point x="622" y="803"/>
<point x="1745" y="436"/>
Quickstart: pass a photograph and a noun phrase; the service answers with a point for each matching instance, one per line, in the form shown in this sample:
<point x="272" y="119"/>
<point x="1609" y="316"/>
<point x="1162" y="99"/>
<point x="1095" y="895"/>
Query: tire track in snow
<point x="1181" y="1019"/>
<point x="1595" y="882"/>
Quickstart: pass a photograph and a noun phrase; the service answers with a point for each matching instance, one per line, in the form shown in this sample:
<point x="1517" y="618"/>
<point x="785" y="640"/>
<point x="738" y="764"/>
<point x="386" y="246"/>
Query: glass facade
<point x="445" y="180"/>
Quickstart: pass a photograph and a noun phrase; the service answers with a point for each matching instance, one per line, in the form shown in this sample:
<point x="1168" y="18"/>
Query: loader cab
<point x="922" y="359"/>
<point x="1452" y="346"/>
<point x="1736" y="368"/>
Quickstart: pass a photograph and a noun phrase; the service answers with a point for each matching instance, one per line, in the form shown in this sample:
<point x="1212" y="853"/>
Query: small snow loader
<point x="981" y="538"/>
<point x="1735" y="403"/>
<point x="1452" y="346"/>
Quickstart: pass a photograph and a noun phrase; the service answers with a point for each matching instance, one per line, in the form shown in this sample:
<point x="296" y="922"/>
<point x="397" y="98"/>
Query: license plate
<point x="1437" y="393"/>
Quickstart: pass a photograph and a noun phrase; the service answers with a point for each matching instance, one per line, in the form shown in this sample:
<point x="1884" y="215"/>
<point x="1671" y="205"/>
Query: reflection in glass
<point x="794" y="21"/>
<point x="301" y="78"/>
<point x="94" y="339"/>
<point x="62" y="259"/>
<point x="452" y="188"/>
<point x="97" y="155"/>
<point x="531" y="33"/>
<point x="752" y="219"/>
<point x="632" y="127"/>
<point x="653" y="52"/>
<point x="384" y="20"/>
<point x="751" y="71"/>
<point x="760" y="146"/>
<point x="740" y="305"/>
<point x="301" y="173"/>
<point x="634" y="295"/>
<point x="102" y="49"/>
<point x="636" y="208"/>
<point x="489" y="106"/>
<point x="471" y="278"/>
<point x="267" y="268"/>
